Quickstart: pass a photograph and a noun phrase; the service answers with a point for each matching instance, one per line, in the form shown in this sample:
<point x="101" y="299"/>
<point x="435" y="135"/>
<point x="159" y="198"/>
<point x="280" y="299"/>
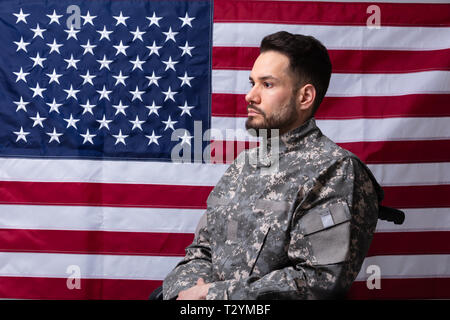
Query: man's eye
<point x="252" y="84"/>
<point x="268" y="85"/>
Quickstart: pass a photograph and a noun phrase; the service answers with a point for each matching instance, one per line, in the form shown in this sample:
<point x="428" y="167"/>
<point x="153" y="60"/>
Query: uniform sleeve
<point x="196" y="264"/>
<point x="331" y="230"/>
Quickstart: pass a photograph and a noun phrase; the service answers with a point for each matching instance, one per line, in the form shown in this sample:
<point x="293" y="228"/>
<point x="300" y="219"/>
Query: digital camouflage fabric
<point x="301" y="231"/>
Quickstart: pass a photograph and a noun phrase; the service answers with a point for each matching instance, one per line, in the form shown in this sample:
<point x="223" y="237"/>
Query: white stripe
<point x="337" y="37"/>
<point x="386" y="174"/>
<point x="350" y="130"/>
<point x="412" y="174"/>
<point x="350" y="84"/>
<point x="63" y="170"/>
<point x="408" y="266"/>
<point x="156" y="268"/>
<point x="99" y="219"/>
<point x="169" y="220"/>
<point x="49" y="265"/>
<point x="418" y="220"/>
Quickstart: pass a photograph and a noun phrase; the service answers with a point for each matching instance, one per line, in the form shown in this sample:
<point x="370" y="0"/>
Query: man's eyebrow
<point x="264" y="78"/>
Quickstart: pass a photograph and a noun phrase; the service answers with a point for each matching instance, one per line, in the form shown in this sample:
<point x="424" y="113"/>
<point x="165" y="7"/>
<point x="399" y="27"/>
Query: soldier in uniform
<point x="301" y="231"/>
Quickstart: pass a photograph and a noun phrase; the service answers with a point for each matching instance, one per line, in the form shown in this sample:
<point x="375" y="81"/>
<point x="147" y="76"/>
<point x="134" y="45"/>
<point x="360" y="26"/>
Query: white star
<point x="54" y="17"/>
<point x="21" y="135"/>
<point x="54" y="136"/>
<point x="154" y="20"/>
<point x="153" y="109"/>
<point x="54" y="76"/>
<point x="71" y="62"/>
<point x="21" y="105"/>
<point x="104" y="33"/>
<point x="54" y="106"/>
<point x="104" y="93"/>
<point x="186" y="109"/>
<point x="21" y="75"/>
<point x="38" y="32"/>
<point x="154" y="49"/>
<point x="120" y="79"/>
<point x="37" y="91"/>
<point x="87" y="78"/>
<point x="121" y="48"/>
<point x="104" y="123"/>
<point x="153" y="79"/>
<point x="120" y="19"/>
<point x="88" y="137"/>
<point x="186" y="49"/>
<point x="54" y="46"/>
<point x="170" y="35"/>
<point x="38" y="120"/>
<point x="21" y="45"/>
<point x="120" y="138"/>
<point x="169" y="124"/>
<point x="72" y="122"/>
<point x="88" y="48"/>
<point x="153" y="138"/>
<point x="170" y="64"/>
<point x="21" y="16"/>
<point x="72" y="33"/>
<point x="87" y="107"/>
<point x="120" y="108"/>
<point x="169" y="94"/>
<point x="137" y="34"/>
<point x="137" y="123"/>
<point x="88" y="18"/>
<point x="137" y="63"/>
<point x="71" y="93"/>
<point x="186" y="138"/>
<point x="104" y="63"/>
<point x="38" y="60"/>
<point x="137" y="94"/>
<point x="185" y="79"/>
<point x="186" y="20"/>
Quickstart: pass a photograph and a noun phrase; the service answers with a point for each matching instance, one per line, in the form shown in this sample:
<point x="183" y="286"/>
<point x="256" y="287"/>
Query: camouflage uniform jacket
<point x="300" y="232"/>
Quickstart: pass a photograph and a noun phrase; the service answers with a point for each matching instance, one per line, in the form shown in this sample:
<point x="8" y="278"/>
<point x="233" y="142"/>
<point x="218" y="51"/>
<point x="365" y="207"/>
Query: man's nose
<point x="253" y="96"/>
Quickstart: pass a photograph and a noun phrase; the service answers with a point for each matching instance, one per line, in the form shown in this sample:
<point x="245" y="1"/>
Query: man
<point x="302" y="231"/>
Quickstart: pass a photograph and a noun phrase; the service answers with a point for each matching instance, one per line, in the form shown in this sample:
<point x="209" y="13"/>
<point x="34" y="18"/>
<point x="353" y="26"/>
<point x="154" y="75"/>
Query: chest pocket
<point x="327" y="231"/>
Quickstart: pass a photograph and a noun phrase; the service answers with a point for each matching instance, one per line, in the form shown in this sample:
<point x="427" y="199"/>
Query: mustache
<point x="250" y="106"/>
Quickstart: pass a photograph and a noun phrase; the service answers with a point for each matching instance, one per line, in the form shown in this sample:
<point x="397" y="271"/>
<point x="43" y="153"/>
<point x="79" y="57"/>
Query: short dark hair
<point x="308" y="59"/>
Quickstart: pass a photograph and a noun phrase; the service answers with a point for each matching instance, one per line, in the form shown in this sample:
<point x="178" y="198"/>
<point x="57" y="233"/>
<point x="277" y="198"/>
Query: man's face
<point x="271" y="101"/>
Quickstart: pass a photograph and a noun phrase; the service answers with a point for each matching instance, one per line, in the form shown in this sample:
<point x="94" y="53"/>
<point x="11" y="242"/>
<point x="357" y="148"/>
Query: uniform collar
<point x="277" y="145"/>
<point x="294" y="137"/>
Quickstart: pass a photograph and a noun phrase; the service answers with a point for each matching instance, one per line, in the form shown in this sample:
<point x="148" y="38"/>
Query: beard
<point x="284" y="117"/>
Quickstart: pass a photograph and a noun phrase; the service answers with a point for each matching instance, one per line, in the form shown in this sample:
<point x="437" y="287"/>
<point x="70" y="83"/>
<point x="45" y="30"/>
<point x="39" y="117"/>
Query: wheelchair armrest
<point x="157" y="294"/>
<point x="391" y="214"/>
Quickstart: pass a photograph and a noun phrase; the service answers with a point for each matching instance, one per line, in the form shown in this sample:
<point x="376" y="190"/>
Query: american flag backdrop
<point x="97" y="96"/>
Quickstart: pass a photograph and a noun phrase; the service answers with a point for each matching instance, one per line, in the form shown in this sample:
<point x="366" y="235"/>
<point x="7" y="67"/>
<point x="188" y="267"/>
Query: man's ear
<point x="306" y="96"/>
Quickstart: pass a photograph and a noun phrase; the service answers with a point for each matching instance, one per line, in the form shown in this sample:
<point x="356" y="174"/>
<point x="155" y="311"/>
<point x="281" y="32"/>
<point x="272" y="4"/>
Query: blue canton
<point x="103" y="79"/>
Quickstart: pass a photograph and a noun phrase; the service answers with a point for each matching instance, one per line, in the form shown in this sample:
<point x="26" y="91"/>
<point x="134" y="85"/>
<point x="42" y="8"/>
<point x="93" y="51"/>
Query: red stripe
<point x="407" y="243"/>
<point x="413" y="105"/>
<point x="376" y="152"/>
<point x="347" y="61"/>
<point x="96" y="194"/>
<point x="330" y="13"/>
<point x="436" y="196"/>
<point x="416" y="288"/>
<point x="118" y="289"/>
<point x="104" y="194"/>
<point x="227" y="151"/>
<point x="56" y="289"/>
<point x="95" y="242"/>
<point x="419" y="151"/>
